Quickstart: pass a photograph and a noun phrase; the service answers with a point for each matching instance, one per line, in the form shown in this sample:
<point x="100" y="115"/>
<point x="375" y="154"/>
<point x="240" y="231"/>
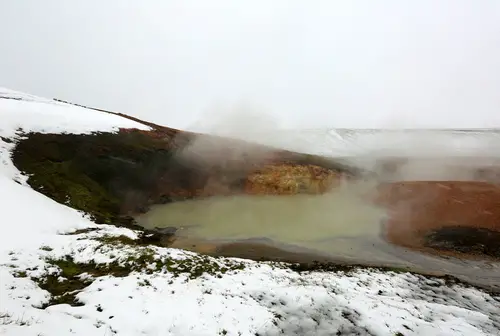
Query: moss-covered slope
<point x="102" y="174"/>
<point x="113" y="176"/>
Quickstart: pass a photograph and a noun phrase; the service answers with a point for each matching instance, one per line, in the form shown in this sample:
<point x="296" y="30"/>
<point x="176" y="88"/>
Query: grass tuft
<point x="20" y="274"/>
<point x="72" y="276"/>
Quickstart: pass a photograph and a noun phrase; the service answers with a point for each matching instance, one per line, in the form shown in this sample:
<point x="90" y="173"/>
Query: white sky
<point x="425" y="63"/>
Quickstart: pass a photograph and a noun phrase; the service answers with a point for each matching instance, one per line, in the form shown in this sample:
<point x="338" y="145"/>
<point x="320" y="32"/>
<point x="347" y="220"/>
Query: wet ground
<point x="476" y="241"/>
<point x="343" y="226"/>
<point x="458" y="218"/>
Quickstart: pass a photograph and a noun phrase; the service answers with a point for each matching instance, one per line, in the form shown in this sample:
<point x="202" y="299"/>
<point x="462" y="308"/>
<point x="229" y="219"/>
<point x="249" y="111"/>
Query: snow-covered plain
<point x="251" y="299"/>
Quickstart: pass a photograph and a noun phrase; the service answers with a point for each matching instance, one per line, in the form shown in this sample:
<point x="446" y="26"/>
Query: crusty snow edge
<point x="251" y="299"/>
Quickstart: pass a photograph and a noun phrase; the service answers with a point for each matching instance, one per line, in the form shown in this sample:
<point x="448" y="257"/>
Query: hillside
<point x="73" y="263"/>
<point x="113" y="175"/>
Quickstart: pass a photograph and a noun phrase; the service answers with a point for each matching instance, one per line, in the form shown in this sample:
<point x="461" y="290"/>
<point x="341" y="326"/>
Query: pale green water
<point x="312" y="221"/>
<point x="339" y="224"/>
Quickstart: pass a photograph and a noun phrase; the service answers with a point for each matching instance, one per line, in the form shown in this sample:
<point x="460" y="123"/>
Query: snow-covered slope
<point x="167" y="296"/>
<point x="32" y="113"/>
<point x="348" y="143"/>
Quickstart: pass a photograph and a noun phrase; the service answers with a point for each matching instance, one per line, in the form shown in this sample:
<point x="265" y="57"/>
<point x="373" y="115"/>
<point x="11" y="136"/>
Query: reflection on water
<point x="312" y="221"/>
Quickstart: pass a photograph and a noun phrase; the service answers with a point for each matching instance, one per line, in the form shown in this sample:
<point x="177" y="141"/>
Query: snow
<point x="49" y="116"/>
<point x="349" y="143"/>
<point x="36" y="114"/>
<point x="260" y="299"/>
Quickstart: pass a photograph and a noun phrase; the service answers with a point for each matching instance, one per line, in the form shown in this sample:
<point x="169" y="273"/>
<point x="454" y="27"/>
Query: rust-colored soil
<point x="289" y="179"/>
<point x="453" y="216"/>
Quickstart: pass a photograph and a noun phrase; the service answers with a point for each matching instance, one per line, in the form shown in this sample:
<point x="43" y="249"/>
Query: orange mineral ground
<point x="451" y="217"/>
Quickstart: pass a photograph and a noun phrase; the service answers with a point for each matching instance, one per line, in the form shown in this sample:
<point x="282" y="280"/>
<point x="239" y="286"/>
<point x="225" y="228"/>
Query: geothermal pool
<point x="337" y="223"/>
<point x="341" y="226"/>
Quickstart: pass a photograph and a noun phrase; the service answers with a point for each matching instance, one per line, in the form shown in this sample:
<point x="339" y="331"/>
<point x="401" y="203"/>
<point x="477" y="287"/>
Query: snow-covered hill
<point x="348" y="143"/>
<point x="61" y="274"/>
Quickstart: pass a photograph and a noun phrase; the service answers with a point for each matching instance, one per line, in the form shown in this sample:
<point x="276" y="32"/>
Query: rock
<point x="169" y="230"/>
<point x="465" y="240"/>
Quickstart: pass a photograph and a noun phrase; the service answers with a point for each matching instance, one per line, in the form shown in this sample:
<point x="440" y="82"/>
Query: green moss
<point x="20" y="274"/>
<point x="63" y="182"/>
<point x="344" y="268"/>
<point x="46" y="248"/>
<point x="145" y="238"/>
<point x="64" y="291"/>
<point x="117" y="240"/>
<point x="105" y="175"/>
<point x="81" y="231"/>
<point x="69" y="281"/>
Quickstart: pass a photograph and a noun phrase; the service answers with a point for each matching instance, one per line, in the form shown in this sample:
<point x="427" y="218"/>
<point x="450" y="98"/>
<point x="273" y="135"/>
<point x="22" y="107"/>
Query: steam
<point x="241" y="120"/>
<point x="232" y="133"/>
<point x="435" y="156"/>
<point x="394" y="155"/>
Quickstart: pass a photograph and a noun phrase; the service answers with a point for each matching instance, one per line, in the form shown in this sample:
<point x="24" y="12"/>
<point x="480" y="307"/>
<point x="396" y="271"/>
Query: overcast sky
<point x="425" y="63"/>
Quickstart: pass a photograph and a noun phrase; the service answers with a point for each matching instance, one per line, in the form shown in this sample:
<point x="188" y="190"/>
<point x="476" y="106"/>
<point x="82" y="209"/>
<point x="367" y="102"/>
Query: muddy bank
<point x="453" y="217"/>
<point x="480" y="273"/>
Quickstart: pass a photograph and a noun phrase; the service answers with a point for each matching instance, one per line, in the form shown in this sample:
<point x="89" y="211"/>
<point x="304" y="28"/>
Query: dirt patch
<point x="311" y="262"/>
<point x="459" y="217"/>
<point x="465" y="240"/>
<point x="265" y="252"/>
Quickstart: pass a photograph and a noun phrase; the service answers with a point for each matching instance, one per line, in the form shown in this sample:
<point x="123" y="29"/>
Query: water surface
<point x="329" y="223"/>
<point x="341" y="226"/>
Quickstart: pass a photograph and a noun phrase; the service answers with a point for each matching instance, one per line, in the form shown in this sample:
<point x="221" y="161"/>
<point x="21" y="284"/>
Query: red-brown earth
<point x="461" y="218"/>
